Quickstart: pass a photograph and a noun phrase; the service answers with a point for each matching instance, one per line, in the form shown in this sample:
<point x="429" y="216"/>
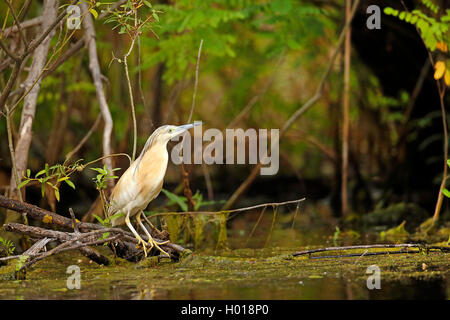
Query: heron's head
<point x="165" y="133"/>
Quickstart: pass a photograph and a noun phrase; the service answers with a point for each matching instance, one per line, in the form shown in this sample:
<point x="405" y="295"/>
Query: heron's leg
<point x="151" y="242"/>
<point x="138" y="237"/>
<point x="149" y="222"/>
<point x="151" y="225"/>
<point x="138" y="219"/>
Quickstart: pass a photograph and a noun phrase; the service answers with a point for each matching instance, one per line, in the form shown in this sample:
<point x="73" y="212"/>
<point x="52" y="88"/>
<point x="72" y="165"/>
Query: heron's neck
<point x="157" y="153"/>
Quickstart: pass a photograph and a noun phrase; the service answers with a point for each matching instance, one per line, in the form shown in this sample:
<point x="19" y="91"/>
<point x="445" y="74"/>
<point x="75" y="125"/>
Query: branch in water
<point x="373" y="246"/>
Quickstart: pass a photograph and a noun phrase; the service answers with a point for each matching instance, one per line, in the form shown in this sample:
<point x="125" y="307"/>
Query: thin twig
<point x="130" y="91"/>
<point x="273" y="204"/>
<point x="256" y="225"/>
<point x="19" y="27"/>
<point x="246" y="110"/>
<point x="85" y="138"/>
<point x="8" y="52"/>
<point x="24" y="25"/>
<point x="141" y="91"/>
<point x="194" y="95"/>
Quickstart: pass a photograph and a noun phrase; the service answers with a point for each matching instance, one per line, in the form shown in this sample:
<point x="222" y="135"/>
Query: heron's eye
<point x="170" y="130"/>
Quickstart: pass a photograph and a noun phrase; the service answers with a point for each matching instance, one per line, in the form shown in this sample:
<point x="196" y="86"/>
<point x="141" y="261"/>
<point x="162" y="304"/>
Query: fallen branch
<point x="84" y="240"/>
<point x="364" y="254"/>
<point x="64" y="237"/>
<point x="82" y="235"/>
<point x="44" y="216"/>
<point x="373" y="246"/>
<point x="32" y="251"/>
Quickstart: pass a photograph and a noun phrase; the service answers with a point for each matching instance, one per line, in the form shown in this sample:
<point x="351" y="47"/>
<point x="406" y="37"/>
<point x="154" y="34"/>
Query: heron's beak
<point x="185" y="127"/>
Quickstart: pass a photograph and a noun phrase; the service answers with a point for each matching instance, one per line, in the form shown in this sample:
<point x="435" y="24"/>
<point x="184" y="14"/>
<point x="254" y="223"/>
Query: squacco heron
<point x="143" y="181"/>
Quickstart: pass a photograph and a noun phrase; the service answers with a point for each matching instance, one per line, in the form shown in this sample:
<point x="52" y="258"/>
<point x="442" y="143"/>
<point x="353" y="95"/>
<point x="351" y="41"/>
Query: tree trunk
<point x="50" y="9"/>
<point x="32" y="85"/>
<point x="94" y="66"/>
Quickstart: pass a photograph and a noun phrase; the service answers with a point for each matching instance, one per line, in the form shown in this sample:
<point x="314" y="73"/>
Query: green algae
<point x="271" y="273"/>
<point x="215" y="272"/>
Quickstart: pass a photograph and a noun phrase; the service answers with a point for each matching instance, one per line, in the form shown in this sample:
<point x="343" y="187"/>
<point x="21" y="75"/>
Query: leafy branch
<point x="53" y="176"/>
<point x="433" y="29"/>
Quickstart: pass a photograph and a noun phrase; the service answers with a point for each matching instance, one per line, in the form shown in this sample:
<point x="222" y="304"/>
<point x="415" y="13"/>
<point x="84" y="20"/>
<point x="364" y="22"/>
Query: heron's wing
<point x="124" y="191"/>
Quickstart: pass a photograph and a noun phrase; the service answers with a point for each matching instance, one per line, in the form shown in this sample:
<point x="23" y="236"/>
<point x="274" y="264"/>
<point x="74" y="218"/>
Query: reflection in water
<point x="433" y="289"/>
<point x="327" y="289"/>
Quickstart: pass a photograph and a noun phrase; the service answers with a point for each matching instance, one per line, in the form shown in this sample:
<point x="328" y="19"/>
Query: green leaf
<point x="70" y="183"/>
<point x="28" y="173"/>
<point x="446" y="192"/>
<point x="181" y="201"/>
<point x="40" y="173"/>
<point x="388" y="10"/>
<point x="99" y="170"/>
<point x="23" y="183"/>
<point x="408" y="17"/>
<point x="94" y="13"/>
<point x="104" y="236"/>
<point x="99" y="219"/>
<point x="117" y="215"/>
<point x="57" y="194"/>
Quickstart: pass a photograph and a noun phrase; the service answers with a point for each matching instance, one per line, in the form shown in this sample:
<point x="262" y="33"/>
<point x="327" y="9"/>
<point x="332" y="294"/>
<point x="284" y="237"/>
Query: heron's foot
<point x="152" y="243"/>
<point x="143" y="244"/>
